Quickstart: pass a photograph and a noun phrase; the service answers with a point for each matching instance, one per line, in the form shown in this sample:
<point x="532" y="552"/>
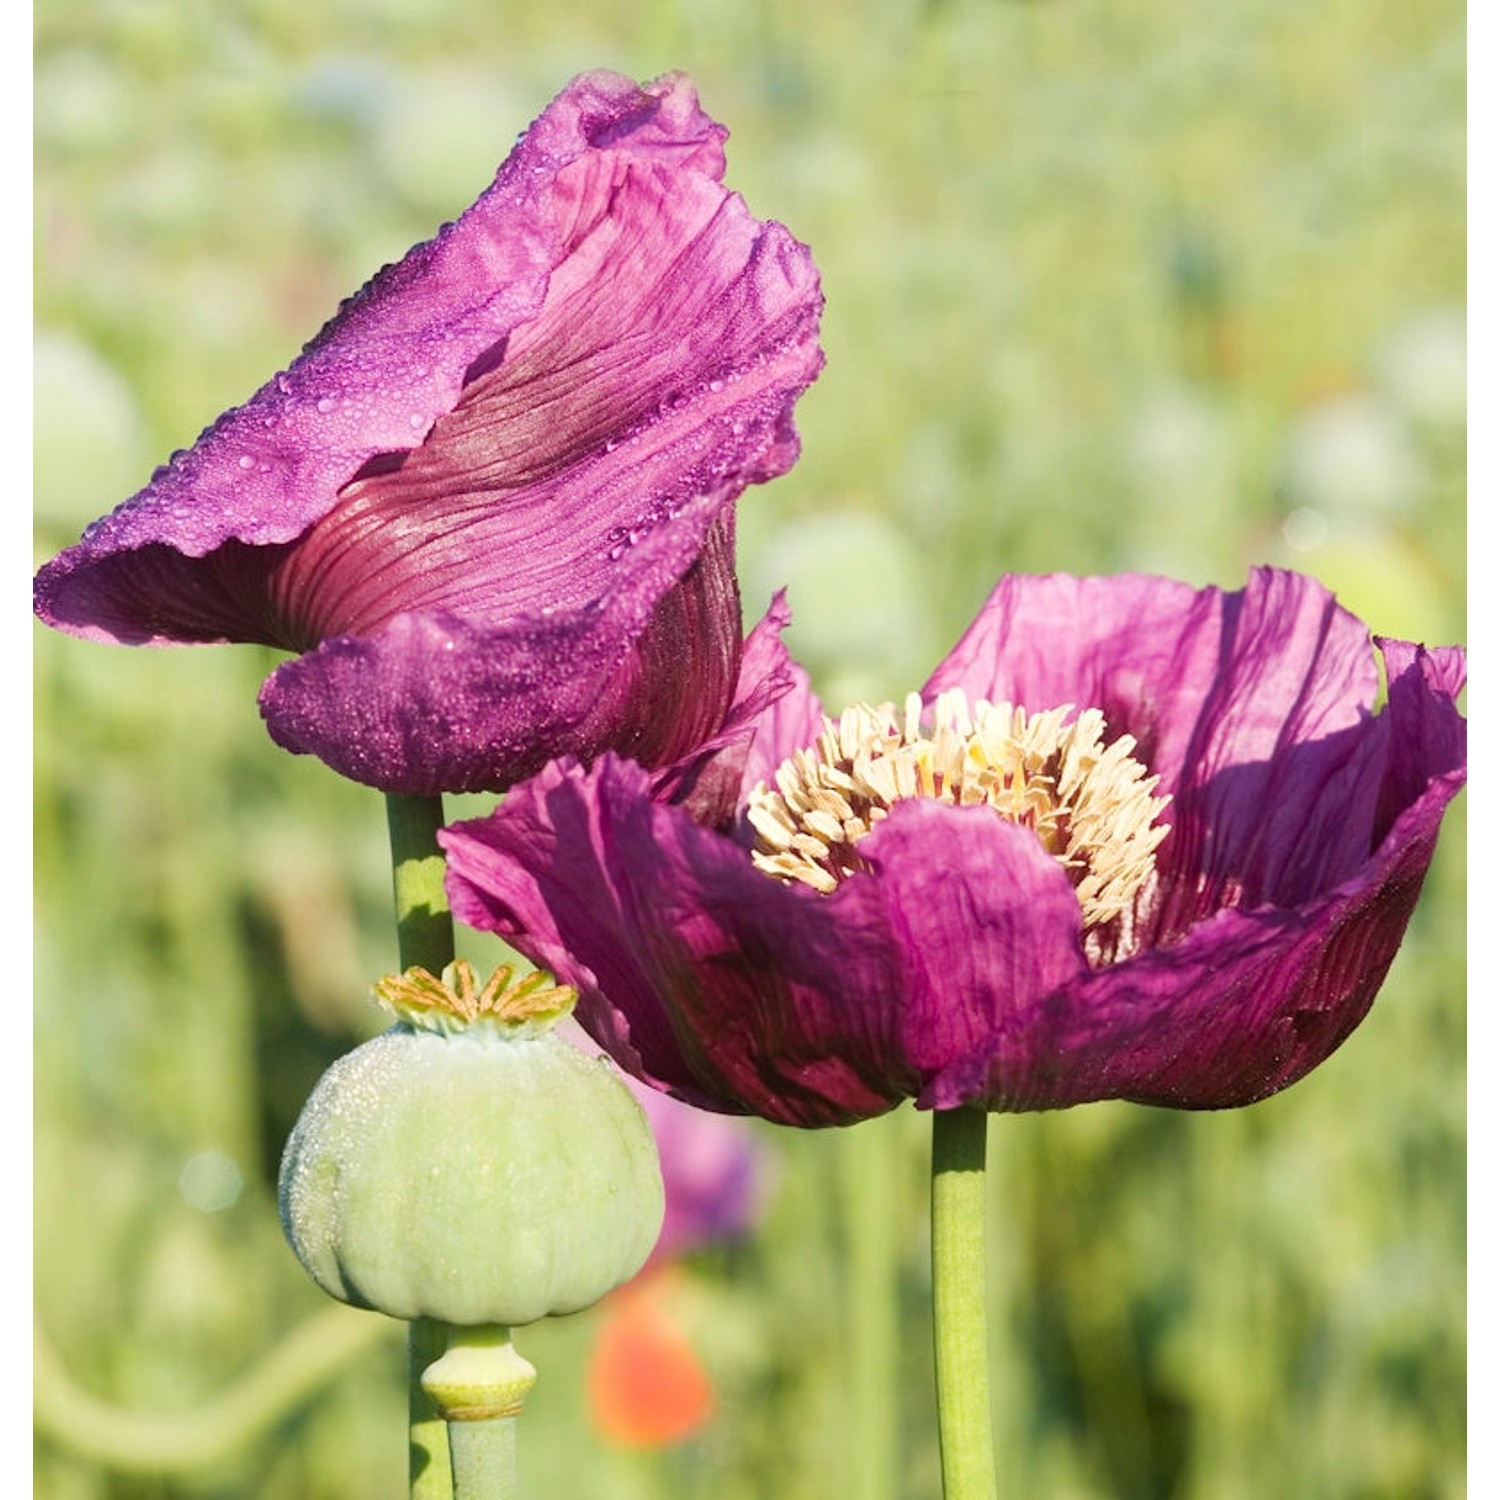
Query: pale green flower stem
<point x="424" y="932"/>
<point x="960" y="1338"/>
<point x="478" y="1385"/>
<point x="424" y="924"/>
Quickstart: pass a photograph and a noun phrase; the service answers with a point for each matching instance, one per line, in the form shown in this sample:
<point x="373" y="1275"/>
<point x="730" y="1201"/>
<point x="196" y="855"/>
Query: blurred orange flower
<point x="647" y="1387"/>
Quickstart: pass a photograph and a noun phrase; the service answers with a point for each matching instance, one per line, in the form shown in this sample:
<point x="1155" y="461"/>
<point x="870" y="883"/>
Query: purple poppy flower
<point x="491" y="504"/>
<point x="1184" y="889"/>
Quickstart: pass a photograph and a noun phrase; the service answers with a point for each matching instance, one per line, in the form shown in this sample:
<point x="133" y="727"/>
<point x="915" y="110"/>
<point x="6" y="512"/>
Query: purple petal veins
<point x="496" y="477"/>
<point x="951" y="966"/>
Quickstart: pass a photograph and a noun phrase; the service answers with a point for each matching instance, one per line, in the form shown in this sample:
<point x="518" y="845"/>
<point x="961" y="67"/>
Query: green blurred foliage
<point x="1163" y="287"/>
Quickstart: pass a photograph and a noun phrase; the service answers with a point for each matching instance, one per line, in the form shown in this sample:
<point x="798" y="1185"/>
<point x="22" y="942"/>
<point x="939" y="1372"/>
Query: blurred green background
<point x="1171" y="287"/>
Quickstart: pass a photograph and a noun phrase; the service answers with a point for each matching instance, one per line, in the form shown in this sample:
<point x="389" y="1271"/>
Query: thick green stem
<point x="484" y="1459"/>
<point x="958" y="1304"/>
<point x="424" y="924"/>
<point x="479" y="1386"/>
<point x="424" y="935"/>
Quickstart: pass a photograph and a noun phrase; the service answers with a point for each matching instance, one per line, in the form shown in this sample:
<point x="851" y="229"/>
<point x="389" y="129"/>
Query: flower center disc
<point x="1088" y="802"/>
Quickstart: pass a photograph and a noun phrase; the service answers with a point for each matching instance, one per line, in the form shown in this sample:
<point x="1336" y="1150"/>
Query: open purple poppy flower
<point x="491" y="504"/>
<point x="1134" y="840"/>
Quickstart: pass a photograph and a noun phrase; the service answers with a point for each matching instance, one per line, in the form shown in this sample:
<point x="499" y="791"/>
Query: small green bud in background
<point x="469" y="1165"/>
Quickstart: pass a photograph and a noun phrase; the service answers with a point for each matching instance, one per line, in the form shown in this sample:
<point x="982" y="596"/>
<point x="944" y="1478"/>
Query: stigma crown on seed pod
<point x="470" y="1165"/>
<point x="456" y="1002"/>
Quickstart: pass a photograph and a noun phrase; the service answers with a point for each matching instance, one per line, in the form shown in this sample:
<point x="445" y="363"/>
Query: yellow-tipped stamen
<point x="1088" y="802"/>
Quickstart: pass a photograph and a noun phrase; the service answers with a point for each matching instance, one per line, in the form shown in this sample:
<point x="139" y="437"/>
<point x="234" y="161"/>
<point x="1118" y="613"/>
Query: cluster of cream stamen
<point x="1088" y="802"/>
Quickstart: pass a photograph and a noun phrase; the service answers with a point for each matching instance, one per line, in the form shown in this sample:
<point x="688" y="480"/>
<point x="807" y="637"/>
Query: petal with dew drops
<point x="521" y="445"/>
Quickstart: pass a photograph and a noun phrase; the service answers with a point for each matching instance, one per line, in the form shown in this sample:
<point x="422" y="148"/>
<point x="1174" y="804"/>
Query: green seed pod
<point x="469" y="1165"/>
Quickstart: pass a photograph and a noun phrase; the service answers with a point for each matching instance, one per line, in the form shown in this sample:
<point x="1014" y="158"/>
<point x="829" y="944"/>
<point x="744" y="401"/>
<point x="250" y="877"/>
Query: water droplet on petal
<point x="716" y="385"/>
<point x="246" y="462"/>
<point x="326" y="403"/>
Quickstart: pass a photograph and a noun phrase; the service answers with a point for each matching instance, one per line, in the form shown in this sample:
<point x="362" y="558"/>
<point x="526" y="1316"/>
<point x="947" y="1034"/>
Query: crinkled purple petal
<point x="1245" y="1005"/>
<point x="1252" y="707"/>
<point x="778" y="724"/>
<point x="952" y="969"/>
<point x="984" y="919"/>
<point x="1188" y="672"/>
<point x="1140" y="649"/>
<point x="433" y="702"/>
<point x="541" y="874"/>
<point x="614" y="182"/>
<point x="696" y="972"/>
<point x="773" y="713"/>
<point x="736" y="991"/>
<point x="662" y="366"/>
<point x="1251" y="1000"/>
<point x="490" y="432"/>
<point x="1427" y="733"/>
<point x="1275" y="804"/>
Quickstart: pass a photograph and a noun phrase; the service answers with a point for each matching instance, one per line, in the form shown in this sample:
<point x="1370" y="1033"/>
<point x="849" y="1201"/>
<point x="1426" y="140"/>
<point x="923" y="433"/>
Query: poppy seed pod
<point x="469" y="1165"/>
